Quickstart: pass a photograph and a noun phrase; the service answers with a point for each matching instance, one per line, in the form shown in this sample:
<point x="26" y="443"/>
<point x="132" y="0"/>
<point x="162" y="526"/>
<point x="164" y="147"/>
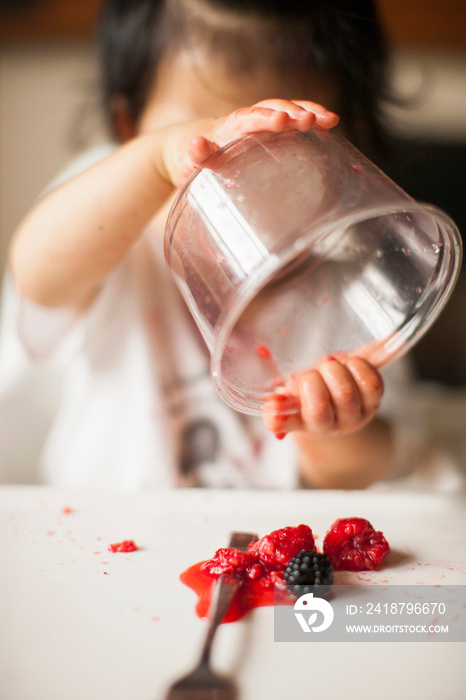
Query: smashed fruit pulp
<point x="351" y="544"/>
<point x="262" y="567"/>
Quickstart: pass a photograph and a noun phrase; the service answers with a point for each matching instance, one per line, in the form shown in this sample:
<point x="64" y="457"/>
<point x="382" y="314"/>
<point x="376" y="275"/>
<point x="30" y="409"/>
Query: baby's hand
<point x="186" y="151"/>
<point x="337" y="396"/>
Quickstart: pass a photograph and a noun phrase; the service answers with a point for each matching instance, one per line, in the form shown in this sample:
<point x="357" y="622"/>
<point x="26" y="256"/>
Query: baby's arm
<point x="331" y="411"/>
<point x="76" y="235"/>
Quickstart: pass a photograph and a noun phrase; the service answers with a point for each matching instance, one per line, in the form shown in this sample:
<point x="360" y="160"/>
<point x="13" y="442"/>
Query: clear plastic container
<point x="288" y="247"/>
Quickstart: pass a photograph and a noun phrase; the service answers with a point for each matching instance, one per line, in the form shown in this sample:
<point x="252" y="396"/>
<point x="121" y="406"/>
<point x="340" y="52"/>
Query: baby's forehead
<point x="190" y="86"/>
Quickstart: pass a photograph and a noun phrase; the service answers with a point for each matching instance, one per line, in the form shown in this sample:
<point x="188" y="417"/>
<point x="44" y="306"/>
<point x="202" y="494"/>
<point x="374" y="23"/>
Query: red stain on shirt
<point x="263" y="352"/>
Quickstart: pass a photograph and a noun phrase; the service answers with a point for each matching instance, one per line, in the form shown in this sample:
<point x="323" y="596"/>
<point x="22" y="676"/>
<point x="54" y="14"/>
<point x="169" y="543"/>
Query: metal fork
<point x="202" y="683"/>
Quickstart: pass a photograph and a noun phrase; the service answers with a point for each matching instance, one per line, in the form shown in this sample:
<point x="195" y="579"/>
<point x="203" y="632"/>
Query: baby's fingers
<point x="310" y="409"/>
<point x="317" y="411"/>
<point x="301" y="109"/>
<point x="355" y="388"/>
<point x="199" y="150"/>
<point x="369" y="383"/>
<point x="281" y="414"/>
<point x="273" y="115"/>
<point x="249" y="120"/>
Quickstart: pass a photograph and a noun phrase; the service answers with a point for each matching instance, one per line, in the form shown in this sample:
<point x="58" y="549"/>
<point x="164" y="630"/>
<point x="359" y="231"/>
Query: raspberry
<point x="307" y="570"/>
<point x="227" y="560"/>
<point x="352" y="544"/>
<point x="280" y="546"/>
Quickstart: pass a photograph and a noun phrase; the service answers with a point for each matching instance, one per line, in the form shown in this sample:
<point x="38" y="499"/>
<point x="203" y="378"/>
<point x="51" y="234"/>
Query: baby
<point x="96" y="302"/>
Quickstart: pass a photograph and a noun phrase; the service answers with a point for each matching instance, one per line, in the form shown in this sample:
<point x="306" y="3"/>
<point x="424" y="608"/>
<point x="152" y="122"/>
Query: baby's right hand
<point x="334" y="397"/>
<point x="189" y="145"/>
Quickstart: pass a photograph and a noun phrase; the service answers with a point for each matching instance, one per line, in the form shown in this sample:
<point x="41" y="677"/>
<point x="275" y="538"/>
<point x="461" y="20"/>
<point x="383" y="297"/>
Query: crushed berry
<point x="227" y="560"/>
<point x="280" y="546"/>
<point x="352" y="544"/>
<point x="261" y="565"/>
<point x="125" y="546"/>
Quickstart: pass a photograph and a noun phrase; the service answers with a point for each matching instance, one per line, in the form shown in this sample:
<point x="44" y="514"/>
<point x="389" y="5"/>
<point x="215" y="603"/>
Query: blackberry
<point x="309" y="572"/>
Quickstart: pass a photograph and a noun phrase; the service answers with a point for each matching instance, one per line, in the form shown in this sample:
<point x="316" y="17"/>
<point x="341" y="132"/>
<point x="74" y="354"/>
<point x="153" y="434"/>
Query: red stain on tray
<point x="124" y="546"/>
<point x="253" y="593"/>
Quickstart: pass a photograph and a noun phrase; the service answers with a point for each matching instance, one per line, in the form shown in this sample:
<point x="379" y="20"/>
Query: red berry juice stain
<point x="258" y="445"/>
<point x="252" y="594"/>
<point x="279" y="408"/>
<point x="271" y="365"/>
<point x="125" y="546"/>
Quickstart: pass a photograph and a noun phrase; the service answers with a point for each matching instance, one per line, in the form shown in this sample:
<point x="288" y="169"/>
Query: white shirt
<point x="133" y="404"/>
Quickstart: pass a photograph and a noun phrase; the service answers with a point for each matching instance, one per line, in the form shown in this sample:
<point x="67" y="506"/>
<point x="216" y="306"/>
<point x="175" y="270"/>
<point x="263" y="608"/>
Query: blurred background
<point x="49" y="112"/>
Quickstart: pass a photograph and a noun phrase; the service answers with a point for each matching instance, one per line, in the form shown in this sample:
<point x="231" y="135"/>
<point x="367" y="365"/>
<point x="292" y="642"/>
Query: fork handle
<point x="225" y="591"/>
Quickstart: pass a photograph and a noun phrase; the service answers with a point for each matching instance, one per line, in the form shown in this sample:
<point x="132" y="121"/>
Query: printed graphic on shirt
<point x="200" y="445"/>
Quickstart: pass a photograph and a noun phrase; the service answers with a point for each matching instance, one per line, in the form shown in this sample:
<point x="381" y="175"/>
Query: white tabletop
<point x="78" y="622"/>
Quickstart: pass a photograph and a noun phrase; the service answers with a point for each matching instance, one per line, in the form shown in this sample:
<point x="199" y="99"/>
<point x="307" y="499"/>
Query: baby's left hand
<point x="337" y="396"/>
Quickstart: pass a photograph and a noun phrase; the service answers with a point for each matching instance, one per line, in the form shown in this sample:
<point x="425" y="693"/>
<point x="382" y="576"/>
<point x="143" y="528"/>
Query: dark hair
<point x="340" y="38"/>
